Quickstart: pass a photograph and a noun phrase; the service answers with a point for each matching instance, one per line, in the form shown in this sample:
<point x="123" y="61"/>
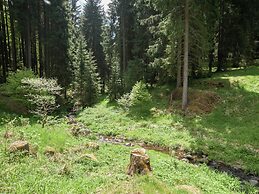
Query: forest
<point x="129" y="96"/>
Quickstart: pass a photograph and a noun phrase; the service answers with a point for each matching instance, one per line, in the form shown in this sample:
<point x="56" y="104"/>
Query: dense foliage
<point x="42" y="94"/>
<point x="176" y="77"/>
<point x="132" y="41"/>
<point x="137" y="98"/>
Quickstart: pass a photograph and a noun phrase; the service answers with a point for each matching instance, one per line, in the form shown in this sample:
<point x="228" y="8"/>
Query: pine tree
<point x="87" y="78"/>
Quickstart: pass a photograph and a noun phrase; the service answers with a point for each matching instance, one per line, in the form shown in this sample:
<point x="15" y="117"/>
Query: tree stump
<point x="139" y="162"/>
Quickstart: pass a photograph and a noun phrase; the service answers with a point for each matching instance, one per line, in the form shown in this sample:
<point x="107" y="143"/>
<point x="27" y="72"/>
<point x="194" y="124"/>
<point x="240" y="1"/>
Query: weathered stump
<point x="139" y="162"/>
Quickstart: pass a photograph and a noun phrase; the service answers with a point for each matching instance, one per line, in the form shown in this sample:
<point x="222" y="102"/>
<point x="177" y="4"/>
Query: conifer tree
<point x="87" y="77"/>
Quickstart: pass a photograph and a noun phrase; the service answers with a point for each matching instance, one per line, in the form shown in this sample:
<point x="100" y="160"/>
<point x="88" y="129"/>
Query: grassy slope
<point x="28" y="174"/>
<point x="230" y="133"/>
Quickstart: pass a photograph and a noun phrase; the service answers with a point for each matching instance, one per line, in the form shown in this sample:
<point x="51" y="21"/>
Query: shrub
<point x="135" y="72"/>
<point x="13" y="85"/>
<point x="140" y="94"/>
<point x="115" y="86"/>
<point x="125" y="101"/>
<point x="42" y="96"/>
<point x="138" y="97"/>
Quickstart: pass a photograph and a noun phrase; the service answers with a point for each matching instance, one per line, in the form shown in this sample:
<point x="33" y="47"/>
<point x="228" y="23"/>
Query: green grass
<point x="229" y="133"/>
<point x="30" y="174"/>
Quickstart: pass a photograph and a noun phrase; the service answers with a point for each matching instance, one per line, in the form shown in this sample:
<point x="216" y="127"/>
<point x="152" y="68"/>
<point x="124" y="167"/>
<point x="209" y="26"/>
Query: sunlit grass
<point x="229" y="133"/>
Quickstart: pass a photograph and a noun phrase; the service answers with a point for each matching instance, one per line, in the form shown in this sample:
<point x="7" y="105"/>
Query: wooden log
<point x="139" y="162"/>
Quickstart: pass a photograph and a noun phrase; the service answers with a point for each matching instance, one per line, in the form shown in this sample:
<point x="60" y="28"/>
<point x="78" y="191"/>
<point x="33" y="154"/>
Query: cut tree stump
<point x="139" y="162"/>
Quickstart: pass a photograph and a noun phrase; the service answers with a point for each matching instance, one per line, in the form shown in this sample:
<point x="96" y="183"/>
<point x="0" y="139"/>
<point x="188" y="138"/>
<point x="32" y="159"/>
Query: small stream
<point x="190" y="157"/>
<point x="180" y="153"/>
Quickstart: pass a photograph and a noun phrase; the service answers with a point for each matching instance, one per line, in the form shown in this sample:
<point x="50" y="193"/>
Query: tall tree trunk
<point x="211" y="61"/>
<point x="45" y="42"/>
<point x="8" y="36"/>
<point x="23" y="51"/>
<point x="220" y="39"/>
<point x="186" y="56"/>
<point x="14" y="55"/>
<point x="179" y="64"/>
<point x="40" y="23"/>
<point x="28" y="37"/>
<point x="3" y="43"/>
<point x="124" y="46"/>
<point x="34" y="53"/>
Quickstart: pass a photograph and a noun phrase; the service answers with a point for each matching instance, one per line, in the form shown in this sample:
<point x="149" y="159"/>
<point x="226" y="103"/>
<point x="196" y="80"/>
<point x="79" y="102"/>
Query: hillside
<point x="89" y="152"/>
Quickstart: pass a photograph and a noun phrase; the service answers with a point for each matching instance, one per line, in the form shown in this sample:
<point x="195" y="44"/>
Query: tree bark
<point x="139" y="162"/>
<point x="179" y="64"/>
<point x="186" y="57"/>
<point x="7" y="36"/>
<point x="34" y="52"/>
<point x="28" y="37"/>
<point x="220" y="39"/>
<point x="3" y="43"/>
<point x="124" y="46"/>
<point x="40" y="23"/>
<point x="14" y="55"/>
<point x="211" y="61"/>
<point x="23" y="56"/>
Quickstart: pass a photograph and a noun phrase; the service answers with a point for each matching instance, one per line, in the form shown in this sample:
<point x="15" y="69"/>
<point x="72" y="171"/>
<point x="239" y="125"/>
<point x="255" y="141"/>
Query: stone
<point x="84" y="132"/>
<point x="22" y="146"/>
<point x="92" y="146"/>
<point x="50" y="151"/>
<point x="89" y="157"/>
<point x="129" y="144"/>
<point x="185" y="160"/>
<point x="139" y="162"/>
<point x="253" y="182"/>
<point x="189" y="157"/>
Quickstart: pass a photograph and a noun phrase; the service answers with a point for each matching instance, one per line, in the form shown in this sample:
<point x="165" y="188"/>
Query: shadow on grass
<point x="236" y="117"/>
<point x="231" y="131"/>
<point x="249" y="71"/>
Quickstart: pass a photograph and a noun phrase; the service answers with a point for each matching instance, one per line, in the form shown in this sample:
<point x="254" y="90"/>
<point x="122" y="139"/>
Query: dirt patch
<point x="200" y="102"/>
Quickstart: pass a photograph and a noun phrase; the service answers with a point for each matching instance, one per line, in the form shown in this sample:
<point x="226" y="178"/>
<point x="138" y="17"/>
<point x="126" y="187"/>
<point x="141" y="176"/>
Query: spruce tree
<point x="87" y="77"/>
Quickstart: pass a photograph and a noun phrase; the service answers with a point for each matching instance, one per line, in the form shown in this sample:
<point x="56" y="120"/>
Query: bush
<point x="42" y="96"/>
<point x="135" y="72"/>
<point x="13" y="86"/>
<point x="138" y="97"/>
